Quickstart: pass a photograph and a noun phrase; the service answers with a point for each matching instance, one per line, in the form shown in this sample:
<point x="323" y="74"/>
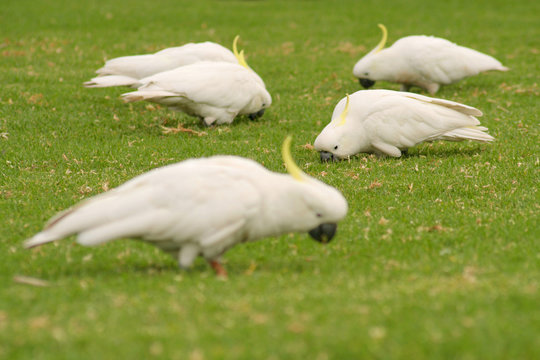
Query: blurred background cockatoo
<point x="387" y="122"/>
<point x="126" y="70"/>
<point x="216" y="92"/>
<point x="204" y="207"/>
<point x="424" y="61"/>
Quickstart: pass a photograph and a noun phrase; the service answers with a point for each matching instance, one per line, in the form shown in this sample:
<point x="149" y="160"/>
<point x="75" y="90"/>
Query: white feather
<point x="199" y="207"/>
<point x="424" y="61"/>
<point x="112" y="80"/>
<point x="116" y="72"/>
<point x="385" y="121"/>
<point x="216" y="92"/>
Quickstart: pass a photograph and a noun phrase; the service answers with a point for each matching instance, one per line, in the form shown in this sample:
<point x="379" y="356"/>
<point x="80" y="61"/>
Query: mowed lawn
<point x="438" y="257"/>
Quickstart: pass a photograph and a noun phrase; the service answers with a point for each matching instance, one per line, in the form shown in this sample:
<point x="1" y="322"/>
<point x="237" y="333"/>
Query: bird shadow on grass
<point x="272" y="267"/>
<point x="424" y="152"/>
<point x="420" y="152"/>
<point x="195" y="127"/>
<point x="99" y="270"/>
<point x="442" y="153"/>
<point x="162" y="266"/>
<point x="143" y="271"/>
<point x="197" y="122"/>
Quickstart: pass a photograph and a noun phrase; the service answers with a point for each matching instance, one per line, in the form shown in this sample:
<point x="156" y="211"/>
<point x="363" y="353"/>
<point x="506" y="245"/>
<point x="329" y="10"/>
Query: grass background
<point x="438" y="257"/>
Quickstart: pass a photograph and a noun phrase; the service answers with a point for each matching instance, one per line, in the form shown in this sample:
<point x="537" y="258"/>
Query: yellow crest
<point x="239" y="56"/>
<point x="343" y="115"/>
<point x="292" y="168"/>
<point x="381" y="44"/>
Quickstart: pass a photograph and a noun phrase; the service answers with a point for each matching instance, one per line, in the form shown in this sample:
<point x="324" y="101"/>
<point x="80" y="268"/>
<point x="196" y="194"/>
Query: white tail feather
<point x="483" y="62"/>
<point x="475" y="133"/>
<point x="50" y="233"/>
<point x="111" y="80"/>
<point x="40" y="239"/>
<point x="101" y="218"/>
<point x="146" y="95"/>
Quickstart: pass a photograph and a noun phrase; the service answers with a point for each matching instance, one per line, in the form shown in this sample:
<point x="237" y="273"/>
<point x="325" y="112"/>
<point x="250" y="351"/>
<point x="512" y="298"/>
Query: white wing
<point x="216" y="86"/>
<point x="209" y="83"/>
<point x="206" y="51"/>
<point x="206" y="201"/>
<point x="403" y="120"/>
<point x="140" y="66"/>
<point x="462" y="108"/>
<point x="127" y="70"/>
<point x="442" y="61"/>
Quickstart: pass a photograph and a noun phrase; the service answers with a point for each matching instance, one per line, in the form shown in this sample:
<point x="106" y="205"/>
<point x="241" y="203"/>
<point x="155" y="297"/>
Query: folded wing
<point x="404" y="120"/>
<point x="192" y="201"/>
<point x="444" y="62"/>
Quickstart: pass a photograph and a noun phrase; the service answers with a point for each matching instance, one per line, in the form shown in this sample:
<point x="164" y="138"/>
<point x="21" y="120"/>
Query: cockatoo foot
<point x="432" y="88"/>
<point x="218" y="268"/>
<point x="209" y="121"/>
<point x="405" y="87"/>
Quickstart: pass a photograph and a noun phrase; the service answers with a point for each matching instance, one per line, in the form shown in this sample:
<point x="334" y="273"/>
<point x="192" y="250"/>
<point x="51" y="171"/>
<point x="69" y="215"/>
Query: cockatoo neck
<point x="386" y="64"/>
<point x="257" y="78"/>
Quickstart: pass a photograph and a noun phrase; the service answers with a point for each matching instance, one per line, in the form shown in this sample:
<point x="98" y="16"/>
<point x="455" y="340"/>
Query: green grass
<point x="438" y="257"/>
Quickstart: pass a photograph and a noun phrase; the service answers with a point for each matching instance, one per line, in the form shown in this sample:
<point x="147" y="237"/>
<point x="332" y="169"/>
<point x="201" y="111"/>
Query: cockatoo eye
<point x="319" y="215"/>
<point x="366" y="73"/>
<point x="335" y="147"/>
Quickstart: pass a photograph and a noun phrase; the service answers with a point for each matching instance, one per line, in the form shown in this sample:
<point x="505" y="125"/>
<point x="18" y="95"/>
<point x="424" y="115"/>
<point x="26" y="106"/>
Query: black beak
<point x="366" y="83"/>
<point x="256" y="115"/>
<point x="324" y="232"/>
<point x="328" y="156"/>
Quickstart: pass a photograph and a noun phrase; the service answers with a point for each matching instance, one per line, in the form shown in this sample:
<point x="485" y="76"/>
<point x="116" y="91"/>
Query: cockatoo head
<point x="337" y="140"/>
<point x="367" y="69"/>
<point x="259" y="104"/>
<point x="321" y="206"/>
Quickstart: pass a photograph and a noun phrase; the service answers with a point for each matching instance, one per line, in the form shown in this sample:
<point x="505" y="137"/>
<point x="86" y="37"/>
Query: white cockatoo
<point x="424" y="61"/>
<point x="204" y="207"/>
<point x="126" y="70"/>
<point x="387" y="122"/>
<point x="216" y="92"/>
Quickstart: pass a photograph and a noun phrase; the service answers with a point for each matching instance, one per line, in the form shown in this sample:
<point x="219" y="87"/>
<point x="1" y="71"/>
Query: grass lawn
<point x="438" y="258"/>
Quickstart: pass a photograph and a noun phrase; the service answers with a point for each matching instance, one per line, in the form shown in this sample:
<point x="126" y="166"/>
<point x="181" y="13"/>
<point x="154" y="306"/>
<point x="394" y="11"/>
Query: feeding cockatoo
<point x="424" y="61"/>
<point x="388" y="122"/>
<point x="216" y="92"/>
<point x="204" y="207"/>
<point x="127" y="70"/>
